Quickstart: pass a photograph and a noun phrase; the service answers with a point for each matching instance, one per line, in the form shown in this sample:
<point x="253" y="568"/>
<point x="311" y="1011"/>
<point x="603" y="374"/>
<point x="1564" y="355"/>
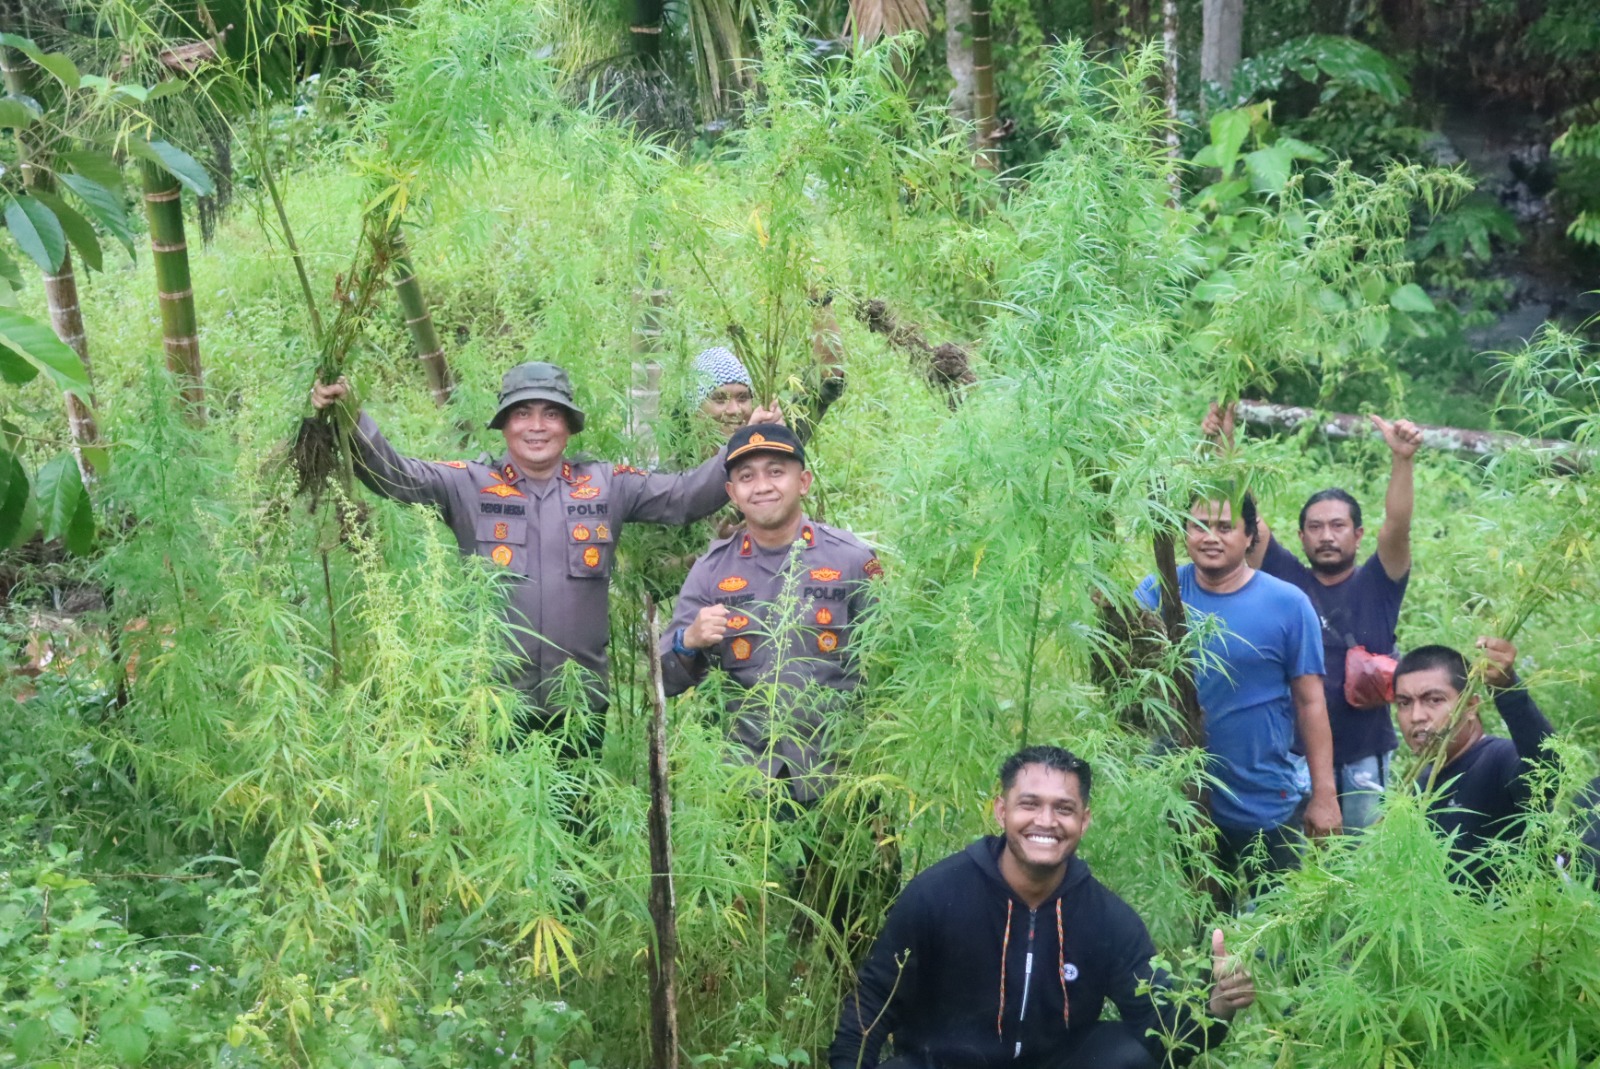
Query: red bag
<point x="1368" y="678"/>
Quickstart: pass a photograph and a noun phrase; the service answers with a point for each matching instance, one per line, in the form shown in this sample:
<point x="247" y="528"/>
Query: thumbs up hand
<point x="1231" y="987"/>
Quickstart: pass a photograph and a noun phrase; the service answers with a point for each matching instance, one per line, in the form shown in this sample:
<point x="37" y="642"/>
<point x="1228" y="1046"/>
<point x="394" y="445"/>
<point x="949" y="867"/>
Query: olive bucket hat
<point x="536" y="381"/>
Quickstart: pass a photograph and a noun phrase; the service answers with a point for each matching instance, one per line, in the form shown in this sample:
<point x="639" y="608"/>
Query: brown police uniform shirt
<point x="807" y="654"/>
<point x="556" y="542"/>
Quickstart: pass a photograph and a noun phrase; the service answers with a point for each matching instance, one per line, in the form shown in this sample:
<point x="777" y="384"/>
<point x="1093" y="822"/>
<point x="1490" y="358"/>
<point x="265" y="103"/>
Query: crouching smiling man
<point x="1005" y="954"/>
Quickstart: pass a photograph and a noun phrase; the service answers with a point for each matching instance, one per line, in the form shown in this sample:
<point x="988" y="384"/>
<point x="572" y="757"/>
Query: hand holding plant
<point x="1500" y="658"/>
<point x="1232" y="988"/>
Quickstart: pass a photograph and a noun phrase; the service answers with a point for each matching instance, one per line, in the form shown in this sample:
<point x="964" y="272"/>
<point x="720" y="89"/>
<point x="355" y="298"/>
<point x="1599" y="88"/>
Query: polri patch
<point x="584" y="493"/>
<point x="501" y="556"/>
<point x="732" y="583"/>
<point x="825" y="575"/>
<point x="591" y="557"/>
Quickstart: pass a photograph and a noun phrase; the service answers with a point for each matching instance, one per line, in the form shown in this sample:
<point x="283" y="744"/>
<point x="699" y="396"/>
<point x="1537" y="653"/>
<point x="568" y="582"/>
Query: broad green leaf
<point x="10" y="438"/>
<point x="60" y="488"/>
<point x="99" y="167"/>
<point x="16" y="512"/>
<point x="176" y="162"/>
<point x="77" y="228"/>
<point x="128" y="1042"/>
<point x="28" y="1037"/>
<point x="1300" y="150"/>
<point x="37" y="344"/>
<point x="133" y="92"/>
<point x="1228" y="131"/>
<point x="79" y="535"/>
<point x="18" y="112"/>
<point x="167" y="88"/>
<point x="1208" y="157"/>
<point x="1218" y="287"/>
<point x="9" y="272"/>
<point x="99" y="458"/>
<point x="1269" y="169"/>
<point x="1412" y="298"/>
<point x="64" y="70"/>
<point x="37" y="232"/>
<point x="106" y="206"/>
<point x="14" y="369"/>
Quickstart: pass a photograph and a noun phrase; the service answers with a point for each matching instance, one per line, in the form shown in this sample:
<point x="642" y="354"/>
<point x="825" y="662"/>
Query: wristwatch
<point x="679" y="648"/>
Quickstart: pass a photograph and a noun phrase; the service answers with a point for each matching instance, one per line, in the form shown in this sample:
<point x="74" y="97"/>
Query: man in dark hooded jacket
<point x="1005" y="954"/>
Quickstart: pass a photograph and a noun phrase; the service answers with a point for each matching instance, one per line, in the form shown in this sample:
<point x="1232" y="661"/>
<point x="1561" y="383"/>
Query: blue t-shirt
<point x="1266" y="635"/>
<point x="1363" y="610"/>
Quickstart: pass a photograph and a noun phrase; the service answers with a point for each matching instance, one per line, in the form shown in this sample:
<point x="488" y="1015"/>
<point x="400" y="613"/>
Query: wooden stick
<point x="1566" y="456"/>
<point x="663" y="903"/>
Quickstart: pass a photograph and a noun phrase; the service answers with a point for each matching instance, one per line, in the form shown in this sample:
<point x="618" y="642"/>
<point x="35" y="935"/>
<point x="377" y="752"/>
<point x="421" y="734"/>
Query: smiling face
<point x="1216" y="543"/>
<point x="729" y="406"/>
<point x="768" y="488"/>
<point x="1043" y="817"/>
<point x="1330" y="537"/>
<point x="1424" y="701"/>
<point x="536" y="437"/>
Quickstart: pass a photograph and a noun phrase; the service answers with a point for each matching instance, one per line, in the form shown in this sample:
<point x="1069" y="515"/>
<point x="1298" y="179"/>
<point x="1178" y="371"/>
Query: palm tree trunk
<point x="419" y="321"/>
<point x="983" y="100"/>
<point x="958" y="58"/>
<point x="648" y="15"/>
<point x="61" y="288"/>
<point x="163" y="207"/>
<point x="1222" y="40"/>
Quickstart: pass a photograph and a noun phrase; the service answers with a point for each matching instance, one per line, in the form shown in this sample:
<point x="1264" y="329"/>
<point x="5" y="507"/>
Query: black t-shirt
<point x="1484" y="789"/>
<point x="1363" y="610"/>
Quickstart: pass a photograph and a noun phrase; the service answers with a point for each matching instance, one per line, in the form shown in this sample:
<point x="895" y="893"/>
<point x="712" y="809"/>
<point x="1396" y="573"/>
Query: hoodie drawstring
<point x="1061" y="965"/>
<point x="1005" y="945"/>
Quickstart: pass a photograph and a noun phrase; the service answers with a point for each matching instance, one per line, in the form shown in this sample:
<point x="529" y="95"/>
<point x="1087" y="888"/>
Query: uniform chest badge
<point x="827" y="642"/>
<point x="602" y="532"/>
<point x="584" y="493"/>
<point x="873" y="568"/>
<point x="501" y="530"/>
<point x="501" y="555"/>
<point x="1069" y="972"/>
<point x="502" y="490"/>
<point x="737" y="622"/>
<point x="580" y="533"/>
<point x="740" y="648"/>
<point x="824" y="616"/>
<point x="457" y="464"/>
<point x="732" y="583"/>
<point x="825" y="575"/>
<point x="591" y="557"/>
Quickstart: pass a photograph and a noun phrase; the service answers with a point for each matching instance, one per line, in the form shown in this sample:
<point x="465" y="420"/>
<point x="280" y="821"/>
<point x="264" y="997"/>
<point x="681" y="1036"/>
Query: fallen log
<point x="1565" y="456"/>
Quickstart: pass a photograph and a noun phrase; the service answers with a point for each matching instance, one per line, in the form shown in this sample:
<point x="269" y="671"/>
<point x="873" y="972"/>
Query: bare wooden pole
<point x="663" y="902"/>
<point x="1566" y="455"/>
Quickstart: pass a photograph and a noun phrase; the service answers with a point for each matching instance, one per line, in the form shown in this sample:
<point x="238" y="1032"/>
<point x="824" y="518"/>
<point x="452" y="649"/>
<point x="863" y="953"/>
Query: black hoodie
<point x="965" y="975"/>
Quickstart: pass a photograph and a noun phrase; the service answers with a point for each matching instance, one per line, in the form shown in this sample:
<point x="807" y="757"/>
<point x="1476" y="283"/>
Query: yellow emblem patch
<point x="757" y="439"/>
<point x="584" y="493"/>
<point x="502" y="490"/>
<point x="501" y="556"/>
<point x="737" y="622"/>
<point x="580" y="533"/>
<point x="740" y="648"/>
<point x="873" y="568"/>
<point x="602" y="532"/>
<point x="825" y="575"/>
<point x="824" y="616"/>
<point x="732" y="583"/>
<point x="591" y="557"/>
<point x="501" y="531"/>
<point x="454" y="463"/>
<point x="827" y="642"/>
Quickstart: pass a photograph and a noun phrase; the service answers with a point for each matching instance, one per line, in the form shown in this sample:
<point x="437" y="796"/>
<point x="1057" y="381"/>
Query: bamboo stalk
<point x="419" y="321"/>
<point x="1567" y="456"/>
<point x="984" y="104"/>
<point x="663" y="903"/>
<point x="61" y="288"/>
<point x="163" y="206"/>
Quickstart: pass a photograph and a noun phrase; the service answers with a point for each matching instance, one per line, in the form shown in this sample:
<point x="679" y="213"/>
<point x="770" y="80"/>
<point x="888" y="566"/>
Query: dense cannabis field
<point x="260" y="809"/>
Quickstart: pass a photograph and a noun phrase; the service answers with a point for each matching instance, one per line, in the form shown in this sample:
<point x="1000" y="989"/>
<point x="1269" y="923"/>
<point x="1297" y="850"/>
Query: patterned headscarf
<point x="716" y="367"/>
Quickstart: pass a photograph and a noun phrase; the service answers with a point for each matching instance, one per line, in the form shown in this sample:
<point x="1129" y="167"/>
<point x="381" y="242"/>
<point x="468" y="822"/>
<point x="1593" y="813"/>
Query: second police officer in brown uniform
<point x="775" y="606"/>
<point x="550" y="521"/>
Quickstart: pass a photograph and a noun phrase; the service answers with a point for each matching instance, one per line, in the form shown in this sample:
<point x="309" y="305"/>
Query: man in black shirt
<point x="1483" y="788"/>
<point x="1359" y="606"/>
<point x="1002" y="956"/>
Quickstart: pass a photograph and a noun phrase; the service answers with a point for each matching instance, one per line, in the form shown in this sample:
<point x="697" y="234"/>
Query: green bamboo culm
<point x="419" y="321"/>
<point x="163" y="207"/>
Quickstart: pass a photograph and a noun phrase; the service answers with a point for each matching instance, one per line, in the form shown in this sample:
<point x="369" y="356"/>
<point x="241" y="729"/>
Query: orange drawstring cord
<point x="1005" y="945"/>
<point x="1061" y="966"/>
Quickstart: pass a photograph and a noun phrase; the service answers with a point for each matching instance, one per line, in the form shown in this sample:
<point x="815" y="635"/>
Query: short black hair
<point x="1249" y="515"/>
<point x="1333" y="493"/>
<point x="1424" y="658"/>
<point x="1053" y="757"/>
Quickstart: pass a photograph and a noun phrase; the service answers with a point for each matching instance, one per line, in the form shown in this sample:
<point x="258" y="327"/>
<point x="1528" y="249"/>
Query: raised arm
<point x="1394" y="537"/>
<point x="383" y="470"/>
<point x="1528" y="725"/>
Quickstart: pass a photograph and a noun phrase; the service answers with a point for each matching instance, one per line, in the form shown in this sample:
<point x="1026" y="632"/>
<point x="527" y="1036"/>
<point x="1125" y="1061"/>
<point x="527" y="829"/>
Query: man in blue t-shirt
<point x="1259" y="678"/>
<point x="1357" y="606"/>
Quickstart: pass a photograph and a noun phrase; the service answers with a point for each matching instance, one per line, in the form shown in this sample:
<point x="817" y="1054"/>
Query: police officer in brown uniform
<point x="551" y="522"/>
<point x="775" y="604"/>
